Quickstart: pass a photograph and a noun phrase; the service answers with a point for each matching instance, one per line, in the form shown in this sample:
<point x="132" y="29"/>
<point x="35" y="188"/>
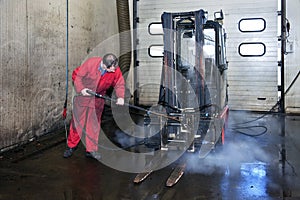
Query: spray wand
<point x="133" y="106"/>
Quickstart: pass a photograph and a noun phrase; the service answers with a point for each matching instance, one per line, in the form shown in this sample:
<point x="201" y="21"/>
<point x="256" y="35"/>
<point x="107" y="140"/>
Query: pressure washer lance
<point x="132" y="106"/>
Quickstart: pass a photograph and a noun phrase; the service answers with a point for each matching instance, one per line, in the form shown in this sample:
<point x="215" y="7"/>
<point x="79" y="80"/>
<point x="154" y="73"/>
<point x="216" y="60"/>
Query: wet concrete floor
<point x="257" y="162"/>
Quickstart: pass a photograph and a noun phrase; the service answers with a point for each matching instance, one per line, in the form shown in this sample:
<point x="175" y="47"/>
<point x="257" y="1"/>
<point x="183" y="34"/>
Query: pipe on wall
<point x="124" y="35"/>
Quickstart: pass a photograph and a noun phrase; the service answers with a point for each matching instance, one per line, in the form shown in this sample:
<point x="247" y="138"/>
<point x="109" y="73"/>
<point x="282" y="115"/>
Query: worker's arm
<point x="83" y="76"/>
<point x="119" y="85"/>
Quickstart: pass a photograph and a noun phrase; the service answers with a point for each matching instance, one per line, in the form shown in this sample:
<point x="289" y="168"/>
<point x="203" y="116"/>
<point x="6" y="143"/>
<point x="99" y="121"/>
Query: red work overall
<point x="87" y="110"/>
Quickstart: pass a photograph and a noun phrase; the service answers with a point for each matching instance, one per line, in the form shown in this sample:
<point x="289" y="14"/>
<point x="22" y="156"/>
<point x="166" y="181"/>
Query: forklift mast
<point x="193" y="46"/>
<point x="193" y="90"/>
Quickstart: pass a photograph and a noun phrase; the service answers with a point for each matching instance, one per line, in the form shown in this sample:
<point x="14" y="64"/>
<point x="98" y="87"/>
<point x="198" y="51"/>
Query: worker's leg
<point x="93" y="129"/>
<point x="74" y="137"/>
<point x="76" y="128"/>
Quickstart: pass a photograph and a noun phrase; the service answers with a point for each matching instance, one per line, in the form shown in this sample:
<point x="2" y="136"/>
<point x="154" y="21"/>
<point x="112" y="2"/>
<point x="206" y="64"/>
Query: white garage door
<point x="252" y="45"/>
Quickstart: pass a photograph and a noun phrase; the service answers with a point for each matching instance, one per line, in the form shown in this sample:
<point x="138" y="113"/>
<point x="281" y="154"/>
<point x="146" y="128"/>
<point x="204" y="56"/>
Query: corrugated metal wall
<point x="252" y="80"/>
<point x="33" y="60"/>
<point x="292" y="64"/>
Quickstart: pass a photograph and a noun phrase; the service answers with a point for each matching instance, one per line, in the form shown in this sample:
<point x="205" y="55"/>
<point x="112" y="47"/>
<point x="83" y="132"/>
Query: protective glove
<point x="84" y="93"/>
<point x="120" y="101"/>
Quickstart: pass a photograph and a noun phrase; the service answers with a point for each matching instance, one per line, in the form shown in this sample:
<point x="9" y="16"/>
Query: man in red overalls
<point x="98" y="75"/>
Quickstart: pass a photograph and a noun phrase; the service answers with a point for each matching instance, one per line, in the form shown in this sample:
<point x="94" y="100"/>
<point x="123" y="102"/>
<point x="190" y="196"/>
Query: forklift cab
<point x="193" y="80"/>
<point x="194" y="50"/>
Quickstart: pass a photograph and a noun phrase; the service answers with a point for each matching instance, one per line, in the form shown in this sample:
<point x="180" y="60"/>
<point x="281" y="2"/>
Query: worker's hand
<point x="84" y="92"/>
<point x="120" y="101"/>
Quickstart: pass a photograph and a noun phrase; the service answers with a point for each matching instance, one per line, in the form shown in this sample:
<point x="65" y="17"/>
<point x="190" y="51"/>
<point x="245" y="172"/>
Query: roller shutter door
<point x="252" y="79"/>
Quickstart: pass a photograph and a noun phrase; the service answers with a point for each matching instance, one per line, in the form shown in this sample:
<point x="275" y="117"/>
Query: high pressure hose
<point x="64" y="114"/>
<point x="125" y="35"/>
<point x="67" y="60"/>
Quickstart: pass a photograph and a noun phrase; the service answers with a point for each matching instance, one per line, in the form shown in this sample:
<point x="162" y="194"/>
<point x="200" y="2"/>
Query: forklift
<point x="193" y="91"/>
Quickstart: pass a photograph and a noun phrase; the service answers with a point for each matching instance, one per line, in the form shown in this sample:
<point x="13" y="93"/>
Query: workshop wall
<point x="33" y="60"/>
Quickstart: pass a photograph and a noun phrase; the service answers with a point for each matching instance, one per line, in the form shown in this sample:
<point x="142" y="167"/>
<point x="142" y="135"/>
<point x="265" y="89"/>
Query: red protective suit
<point x="87" y="110"/>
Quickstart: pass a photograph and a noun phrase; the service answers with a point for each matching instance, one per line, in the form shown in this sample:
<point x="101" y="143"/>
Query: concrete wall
<point x="33" y="59"/>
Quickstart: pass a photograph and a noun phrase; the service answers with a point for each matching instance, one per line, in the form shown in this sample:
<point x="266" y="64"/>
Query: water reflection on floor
<point x="258" y="167"/>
